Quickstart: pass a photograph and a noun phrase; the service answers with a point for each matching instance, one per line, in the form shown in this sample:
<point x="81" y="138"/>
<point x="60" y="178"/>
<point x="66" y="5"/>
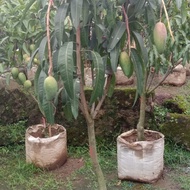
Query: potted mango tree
<point x="79" y="33"/>
<point x="152" y="28"/>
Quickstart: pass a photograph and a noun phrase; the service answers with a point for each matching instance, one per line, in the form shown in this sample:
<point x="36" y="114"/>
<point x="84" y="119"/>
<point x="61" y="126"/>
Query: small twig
<point x="103" y="97"/>
<point x="48" y="38"/>
<point x="161" y="6"/>
<point x="50" y="133"/>
<point x="83" y="104"/>
<point x="168" y="21"/>
<point x="166" y="75"/>
<point x="127" y="28"/>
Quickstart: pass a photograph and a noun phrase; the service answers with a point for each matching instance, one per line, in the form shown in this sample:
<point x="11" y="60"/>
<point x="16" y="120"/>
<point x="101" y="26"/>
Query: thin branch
<point x="161" y="6"/>
<point x="127" y="28"/>
<point x="166" y="75"/>
<point x="48" y="38"/>
<point x="83" y="105"/>
<point x="168" y="21"/>
<point x="103" y="97"/>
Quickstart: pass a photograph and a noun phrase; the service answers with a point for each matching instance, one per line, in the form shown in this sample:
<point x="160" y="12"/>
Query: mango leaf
<point x="66" y="103"/>
<point x="27" y="7"/>
<point x="49" y="110"/>
<point x="59" y="22"/>
<point x="139" y="6"/>
<point x="184" y="11"/>
<point x="178" y="4"/>
<point x="140" y="46"/>
<point x="55" y="61"/>
<point x="66" y="67"/>
<point x="99" y="76"/>
<point x="40" y="90"/>
<point x="85" y="12"/>
<point x="76" y="12"/>
<point x="43" y="13"/>
<point x="67" y="111"/>
<point x="138" y="67"/>
<point x="56" y="99"/>
<point x="8" y="78"/>
<point x="112" y="86"/>
<point x="36" y="78"/>
<point x="42" y="49"/>
<point x="75" y="101"/>
<point x="2" y="68"/>
<point x="32" y="58"/>
<point x="114" y="56"/>
<point x="116" y="35"/>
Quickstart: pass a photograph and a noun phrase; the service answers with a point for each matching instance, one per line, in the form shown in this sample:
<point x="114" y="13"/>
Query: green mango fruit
<point x="27" y="84"/>
<point x="14" y="72"/>
<point x="126" y="64"/>
<point x="160" y="36"/>
<point x="22" y="77"/>
<point x="51" y="87"/>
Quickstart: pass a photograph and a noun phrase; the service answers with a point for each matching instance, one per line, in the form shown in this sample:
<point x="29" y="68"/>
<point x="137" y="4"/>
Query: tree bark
<point x="94" y="156"/>
<point x="140" y="125"/>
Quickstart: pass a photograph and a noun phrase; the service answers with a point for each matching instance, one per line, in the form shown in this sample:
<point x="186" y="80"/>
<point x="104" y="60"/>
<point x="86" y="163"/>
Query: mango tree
<point x="78" y="33"/>
<point x="157" y="41"/>
<point x="19" y="31"/>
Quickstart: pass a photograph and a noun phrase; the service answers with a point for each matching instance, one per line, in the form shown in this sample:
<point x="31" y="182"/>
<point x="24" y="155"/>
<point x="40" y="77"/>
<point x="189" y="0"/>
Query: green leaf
<point x="75" y="101"/>
<point x="138" y="67"/>
<point x="8" y="78"/>
<point x="112" y="86"/>
<point x="59" y="22"/>
<point x="2" y="68"/>
<point x="178" y="3"/>
<point x="42" y="49"/>
<point x="116" y="35"/>
<point x="141" y="46"/>
<point x="43" y="13"/>
<point x="66" y="105"/>
<point x="66" y="67"/>
<point x="76" y="12"/>
<point x="27" y="7"/>
<point x="67" y="111"/>
<point x="184" y="11"/>
<point x="49" y="110"/>
<point x="114" y="56"/>
<point x="99" y="76"/>
<point x="85" y="12"/>
<point x="32" y="58"/>
<point x="40" y="89"/>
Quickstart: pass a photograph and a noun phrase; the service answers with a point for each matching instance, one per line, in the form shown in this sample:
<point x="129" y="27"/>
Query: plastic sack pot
<point x="46" y="152"/>
<point x="140" y="160"/>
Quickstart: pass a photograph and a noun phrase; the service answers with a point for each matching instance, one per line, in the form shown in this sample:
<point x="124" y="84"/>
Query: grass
<point x="15" y="173"/>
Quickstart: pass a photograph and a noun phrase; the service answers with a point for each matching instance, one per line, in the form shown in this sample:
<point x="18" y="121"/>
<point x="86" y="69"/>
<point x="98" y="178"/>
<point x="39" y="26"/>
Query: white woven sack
<point x="140" y="160"/>
<point x="48" y="153"/>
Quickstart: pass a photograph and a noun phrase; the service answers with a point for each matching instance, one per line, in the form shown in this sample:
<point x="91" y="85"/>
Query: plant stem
<point x="169" y="27"/>
<point x="140" y="125"/>
<point x="127" y="28"/>
<point x="48" y="38"/>
<point x="93" y="155"/>
<point x="89" y="119"/>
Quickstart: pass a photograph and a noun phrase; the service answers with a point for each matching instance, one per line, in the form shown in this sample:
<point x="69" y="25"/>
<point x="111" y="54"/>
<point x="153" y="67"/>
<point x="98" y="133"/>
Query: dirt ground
<point x="166" y="182"/>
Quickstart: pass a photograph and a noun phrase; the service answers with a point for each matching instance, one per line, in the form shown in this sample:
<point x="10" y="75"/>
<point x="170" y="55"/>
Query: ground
<point x="77" y="173"/>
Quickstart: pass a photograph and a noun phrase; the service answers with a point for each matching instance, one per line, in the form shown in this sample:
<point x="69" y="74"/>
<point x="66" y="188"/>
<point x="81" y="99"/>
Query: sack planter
<point x="140" y="160"/>
<point x="46" y="152"/>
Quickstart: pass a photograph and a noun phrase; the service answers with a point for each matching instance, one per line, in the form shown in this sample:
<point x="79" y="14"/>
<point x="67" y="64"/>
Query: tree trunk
<point x="140" y="125"/>
<point x="94" y="156"/>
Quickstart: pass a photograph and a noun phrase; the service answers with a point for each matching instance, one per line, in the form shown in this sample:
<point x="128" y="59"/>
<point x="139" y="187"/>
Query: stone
<point x="121" y="79"/>
<point x="177" y="77"/>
